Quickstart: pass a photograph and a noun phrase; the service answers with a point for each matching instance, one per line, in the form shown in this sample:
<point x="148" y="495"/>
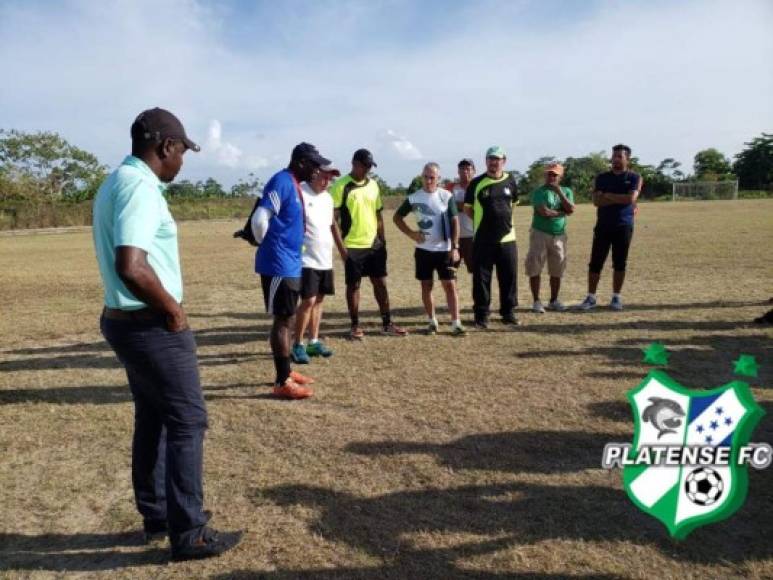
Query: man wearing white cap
<point x="547" y="239"/>
<point x="489" y="202"/>
<point x="317" y="260"/>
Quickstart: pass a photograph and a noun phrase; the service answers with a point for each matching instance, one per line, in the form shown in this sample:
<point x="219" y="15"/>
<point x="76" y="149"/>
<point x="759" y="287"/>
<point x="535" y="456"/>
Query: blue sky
<point x="412" y="81"/>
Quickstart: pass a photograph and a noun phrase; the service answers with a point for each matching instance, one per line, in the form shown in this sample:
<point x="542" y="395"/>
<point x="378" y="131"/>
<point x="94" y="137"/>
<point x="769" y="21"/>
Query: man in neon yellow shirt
<point x="358" y="206"/>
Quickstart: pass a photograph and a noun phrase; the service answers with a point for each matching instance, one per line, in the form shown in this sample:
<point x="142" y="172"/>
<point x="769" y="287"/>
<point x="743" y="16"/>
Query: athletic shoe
<point x="458" y="331"/>
<point x="538" y="308"/>
<point x="556" y="306"/>
<point x="356" y="333"/>
<point x="588" y="304"/>
<point x="298" y="354"/>
<point x="300" y="379"/>
<point x="616" y="303"/>
<point x="209" y="544"/>
<point x="481" y="323"/>
<point x="432" y="327"/>
<point x="292" y="390"/>
<point x="511" y="319"/>
<point x="392" y="329"/>
<point x="318" y="349"/>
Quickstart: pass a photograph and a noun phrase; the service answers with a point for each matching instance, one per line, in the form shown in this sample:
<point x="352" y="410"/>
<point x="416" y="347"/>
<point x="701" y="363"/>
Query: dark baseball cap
<point x="159" y="124"/>
<point x="365" y="157"/>
<point x="307" y="152"/>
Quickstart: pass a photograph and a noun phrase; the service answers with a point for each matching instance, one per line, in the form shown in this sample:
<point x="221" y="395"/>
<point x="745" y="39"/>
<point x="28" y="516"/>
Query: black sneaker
<point x="209" y="544"/>
<point x="157" y="531"/>
<point x="481" y="323"/>
<point x="154" y="531"/>
<point x="511" y="319"/>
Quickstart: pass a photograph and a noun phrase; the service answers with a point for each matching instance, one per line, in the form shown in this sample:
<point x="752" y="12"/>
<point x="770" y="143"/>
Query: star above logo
<point x="656" y="354"/>
<point x="746" y="365"/>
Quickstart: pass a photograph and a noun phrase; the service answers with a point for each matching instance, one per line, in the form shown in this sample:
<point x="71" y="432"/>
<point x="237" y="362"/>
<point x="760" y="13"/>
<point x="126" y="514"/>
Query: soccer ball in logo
<point x="704" y="486"/>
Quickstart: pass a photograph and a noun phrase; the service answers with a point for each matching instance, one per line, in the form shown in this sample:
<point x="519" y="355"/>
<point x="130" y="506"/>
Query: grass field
<point x="423" y="457"/>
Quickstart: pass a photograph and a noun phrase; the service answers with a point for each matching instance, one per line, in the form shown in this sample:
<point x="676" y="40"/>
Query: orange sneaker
<point x="300" y="379"/>
<point x="292" y="390"/>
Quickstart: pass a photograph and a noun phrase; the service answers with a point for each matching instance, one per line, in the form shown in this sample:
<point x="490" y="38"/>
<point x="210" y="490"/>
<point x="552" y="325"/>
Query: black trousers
<point x="169" y="423"/>
<point x="486" y="257"/>
<point x="619" y="239"/>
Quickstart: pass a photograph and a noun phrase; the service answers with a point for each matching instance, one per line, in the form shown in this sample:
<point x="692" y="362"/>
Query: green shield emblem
<point x="666" y="414"/>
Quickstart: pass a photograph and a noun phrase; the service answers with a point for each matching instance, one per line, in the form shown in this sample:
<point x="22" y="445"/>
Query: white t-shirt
<point x="318" y="238"/>
<point x="465" y="222"/>
<point x="432" y="218"/>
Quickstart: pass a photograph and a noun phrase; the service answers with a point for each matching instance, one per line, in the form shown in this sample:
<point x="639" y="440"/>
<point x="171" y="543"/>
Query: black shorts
<point x="619" y="239"/>
<point x="365" y="262"/>
<point x="316" y="283"/>
<point x="280" y="295"/>
<point x="427" y="263"/>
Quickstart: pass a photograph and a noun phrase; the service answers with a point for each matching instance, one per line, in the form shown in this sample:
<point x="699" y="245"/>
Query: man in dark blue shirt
<point x="278" y="225"/>
<point x="614" y="194"/>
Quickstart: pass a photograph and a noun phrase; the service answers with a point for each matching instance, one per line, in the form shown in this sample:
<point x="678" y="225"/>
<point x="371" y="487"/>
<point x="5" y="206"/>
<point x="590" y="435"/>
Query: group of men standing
<point x="303" y="214"/>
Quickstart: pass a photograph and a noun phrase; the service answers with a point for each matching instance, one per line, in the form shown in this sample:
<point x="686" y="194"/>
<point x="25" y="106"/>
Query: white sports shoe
<point x="587" y="304"/>
<point x="538" y="308"/>
<point x="616" y="304"/>
<point x="556" y="306"/>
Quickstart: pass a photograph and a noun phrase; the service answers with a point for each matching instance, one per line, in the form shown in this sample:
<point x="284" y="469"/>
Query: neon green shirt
<point x="359" y="203"/>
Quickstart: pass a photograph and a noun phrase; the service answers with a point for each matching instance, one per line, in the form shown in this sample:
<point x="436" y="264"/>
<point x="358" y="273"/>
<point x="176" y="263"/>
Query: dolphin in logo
<point x="423" y="209"/>
<point x="664" y="414"/>
<point x="423" y="213"/>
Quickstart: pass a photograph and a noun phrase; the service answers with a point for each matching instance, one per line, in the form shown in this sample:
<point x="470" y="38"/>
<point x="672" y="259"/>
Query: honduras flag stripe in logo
<point x="667" y="414"/>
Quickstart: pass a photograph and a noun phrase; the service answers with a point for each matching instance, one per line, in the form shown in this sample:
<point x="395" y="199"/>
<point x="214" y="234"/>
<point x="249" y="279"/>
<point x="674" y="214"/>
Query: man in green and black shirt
<point x="489" y="201"/>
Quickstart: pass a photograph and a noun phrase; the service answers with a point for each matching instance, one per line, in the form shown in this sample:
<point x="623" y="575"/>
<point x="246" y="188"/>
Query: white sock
<point x="300" y="342"/>
<point x="591" y="296"/>
<point x="456" y="323"/>
<point x="314" y="341"/>
<point x="616" y="295"/>
<point x="432" y="320"/>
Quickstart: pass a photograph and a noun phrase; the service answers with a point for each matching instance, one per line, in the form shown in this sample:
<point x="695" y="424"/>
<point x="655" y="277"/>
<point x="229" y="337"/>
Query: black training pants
<point x="487" y="256"/>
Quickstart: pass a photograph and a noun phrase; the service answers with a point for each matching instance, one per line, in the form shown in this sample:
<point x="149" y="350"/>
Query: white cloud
<point x="667" y="78"/>
<point x="226" y="153"/>
<point x="402" y="146"/>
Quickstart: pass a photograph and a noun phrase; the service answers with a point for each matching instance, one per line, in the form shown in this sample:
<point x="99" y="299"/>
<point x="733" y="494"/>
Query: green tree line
<point x="43" y="167"/>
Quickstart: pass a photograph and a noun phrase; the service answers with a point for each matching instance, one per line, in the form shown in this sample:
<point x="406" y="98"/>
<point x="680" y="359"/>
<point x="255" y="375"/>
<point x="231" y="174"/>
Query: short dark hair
<point x="621" y="147"/>
<point x="466" y="162"/>
<point x="141" y="146"/>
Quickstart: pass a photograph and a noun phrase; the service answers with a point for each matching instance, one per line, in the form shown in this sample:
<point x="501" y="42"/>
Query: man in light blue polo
<point x="135" y="238"/>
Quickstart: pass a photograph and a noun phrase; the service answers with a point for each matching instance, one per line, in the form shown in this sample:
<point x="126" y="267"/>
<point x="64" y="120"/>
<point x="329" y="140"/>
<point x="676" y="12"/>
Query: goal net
<point x="705" y="190"/>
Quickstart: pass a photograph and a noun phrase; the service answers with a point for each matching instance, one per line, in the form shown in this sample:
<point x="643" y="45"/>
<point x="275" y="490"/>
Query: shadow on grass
<point x="511" y="452"/>
<point x="76" y="552"/>
<point x="418" y="311"/>
<point x="115" y="394"/>
<point x="516" y="514"/>
<point x="395" y="573"/>
<point x="699" y="362"/>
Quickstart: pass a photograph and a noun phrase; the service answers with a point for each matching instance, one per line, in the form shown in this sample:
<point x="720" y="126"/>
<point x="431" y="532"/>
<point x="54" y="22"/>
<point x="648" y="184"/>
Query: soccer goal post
<point x="683" y="190"/>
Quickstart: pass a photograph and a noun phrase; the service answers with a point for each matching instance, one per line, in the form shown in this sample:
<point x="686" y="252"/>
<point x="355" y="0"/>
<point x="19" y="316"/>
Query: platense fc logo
<point x="688" y="465"/>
